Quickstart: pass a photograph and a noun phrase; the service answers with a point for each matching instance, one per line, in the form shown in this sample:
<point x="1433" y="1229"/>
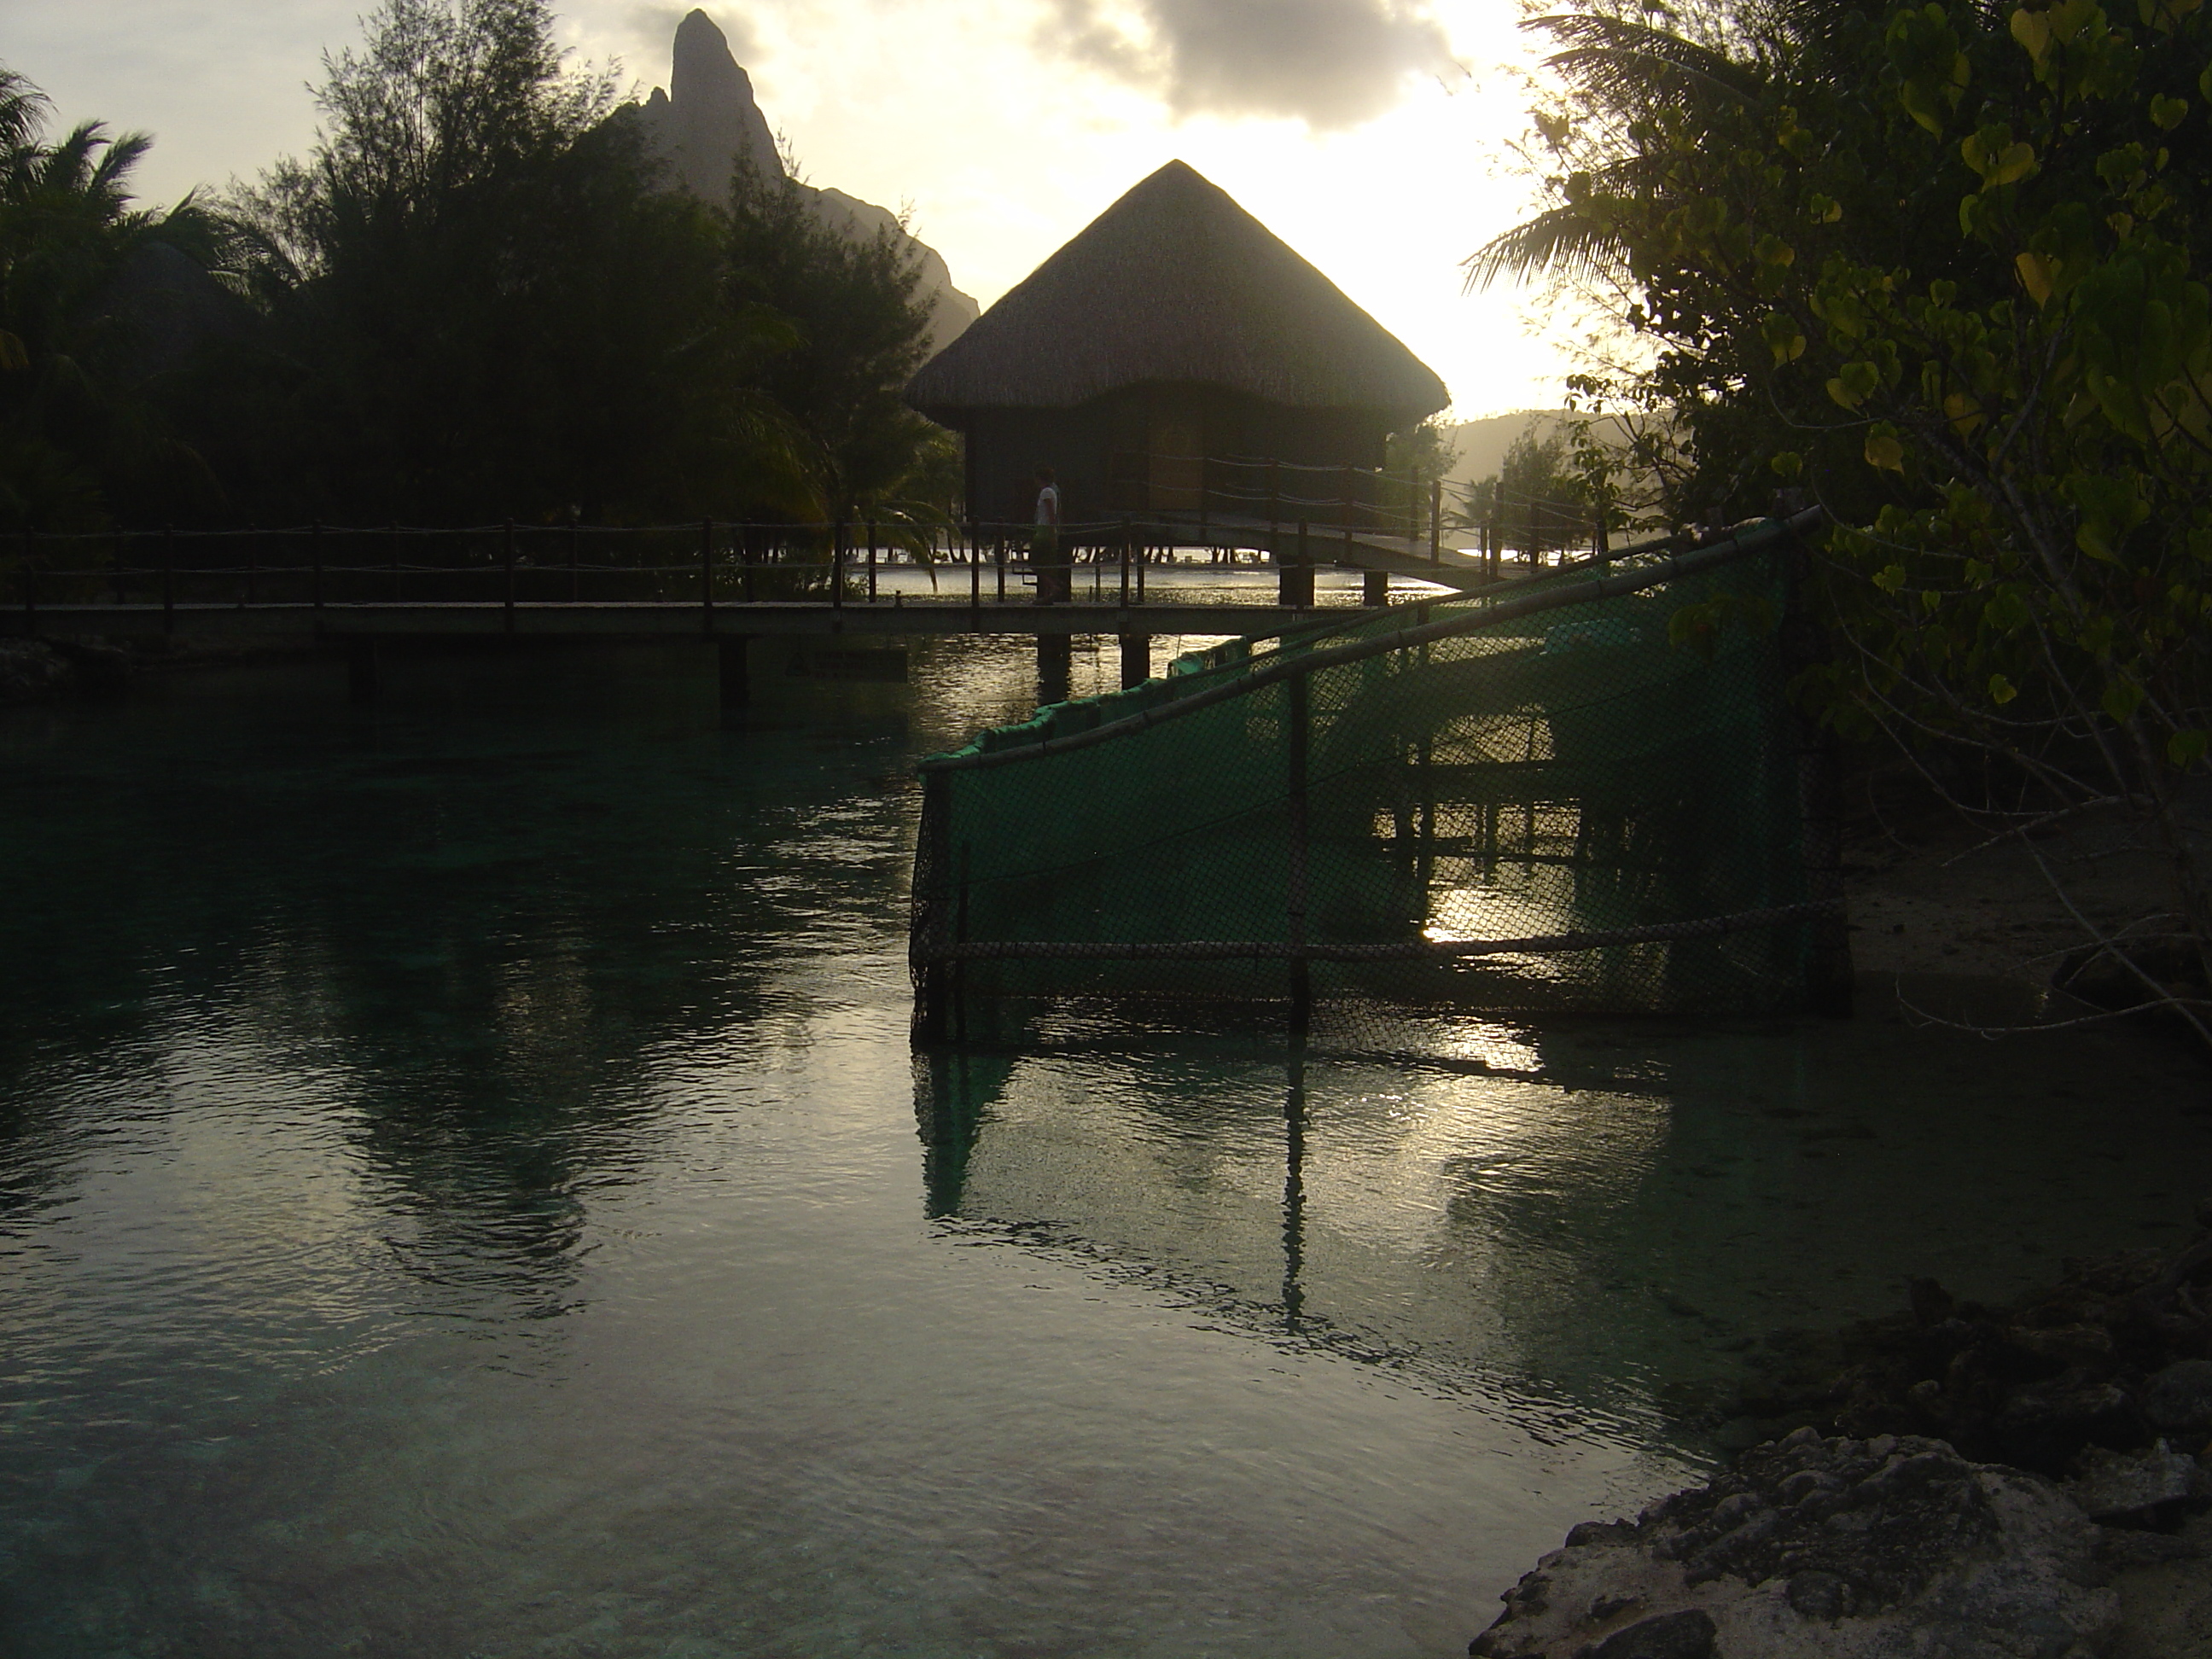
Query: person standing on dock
<point x="1055" y="580"/>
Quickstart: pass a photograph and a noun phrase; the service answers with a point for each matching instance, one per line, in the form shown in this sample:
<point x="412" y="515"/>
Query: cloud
<point x="1331" y="64"/>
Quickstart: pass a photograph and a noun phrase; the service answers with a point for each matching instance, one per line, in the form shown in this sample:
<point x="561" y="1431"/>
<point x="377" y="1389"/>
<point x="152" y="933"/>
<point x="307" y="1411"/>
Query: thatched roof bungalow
<point x="1174" y="327"/>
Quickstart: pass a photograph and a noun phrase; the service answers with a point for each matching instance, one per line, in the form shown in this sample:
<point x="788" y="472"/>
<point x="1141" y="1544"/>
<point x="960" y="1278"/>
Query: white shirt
<point x="1047" y="508"/>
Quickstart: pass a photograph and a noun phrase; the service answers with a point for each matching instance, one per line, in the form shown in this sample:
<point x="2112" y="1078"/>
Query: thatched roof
<point x="1175" y="281"/>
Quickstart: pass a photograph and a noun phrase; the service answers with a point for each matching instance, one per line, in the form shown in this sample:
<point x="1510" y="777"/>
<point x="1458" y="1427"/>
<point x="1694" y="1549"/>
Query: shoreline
<point x="2025" y="1480"/>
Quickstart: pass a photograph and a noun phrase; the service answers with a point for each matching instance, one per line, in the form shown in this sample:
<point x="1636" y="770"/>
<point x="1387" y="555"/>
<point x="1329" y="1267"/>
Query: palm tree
<point x="73" y="416"/>
<point x="1635" y="85"/>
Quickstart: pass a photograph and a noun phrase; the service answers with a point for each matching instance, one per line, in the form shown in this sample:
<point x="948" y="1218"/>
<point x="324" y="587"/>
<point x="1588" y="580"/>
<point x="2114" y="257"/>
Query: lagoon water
<point x="465" y="1189"/>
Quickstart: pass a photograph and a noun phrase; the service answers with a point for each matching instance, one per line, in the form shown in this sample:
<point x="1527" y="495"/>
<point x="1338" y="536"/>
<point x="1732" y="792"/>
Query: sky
<point x="1374" y="137"/>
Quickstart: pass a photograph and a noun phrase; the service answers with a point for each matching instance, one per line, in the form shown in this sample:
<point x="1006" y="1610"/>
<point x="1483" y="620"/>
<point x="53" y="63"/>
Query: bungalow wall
<point x="1138" y="449"/>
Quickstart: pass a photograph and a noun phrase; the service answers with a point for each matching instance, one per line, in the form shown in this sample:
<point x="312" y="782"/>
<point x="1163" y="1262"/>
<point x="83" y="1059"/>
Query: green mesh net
<point x="1583" y="793"/>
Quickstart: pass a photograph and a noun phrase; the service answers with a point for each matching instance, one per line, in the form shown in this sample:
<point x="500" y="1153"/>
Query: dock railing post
<point x="872" y="562"/>
<point x="507" y="563"/>
<point x="1436" y="521"/>
<point x="1126" y="534"/>
<point x="168" y="579"/>
<point x="315" y="556"/>
<point x="837" y="565"/>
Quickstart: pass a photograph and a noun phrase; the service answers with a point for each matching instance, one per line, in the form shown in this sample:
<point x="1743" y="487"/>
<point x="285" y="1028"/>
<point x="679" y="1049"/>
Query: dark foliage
<point x="475" y="298"/>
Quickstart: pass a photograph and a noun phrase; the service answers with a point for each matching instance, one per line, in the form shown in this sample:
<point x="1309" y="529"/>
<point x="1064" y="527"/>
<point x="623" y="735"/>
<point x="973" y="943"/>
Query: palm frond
<point x="1626" y="64"/>
<point x="23" y="110"/>
<point x="1558" y="242"/>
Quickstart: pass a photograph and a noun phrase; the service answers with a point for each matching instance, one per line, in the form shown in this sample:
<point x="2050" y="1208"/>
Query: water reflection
<point x="457" y="1188"/>
<point x="1614" y="1218"/>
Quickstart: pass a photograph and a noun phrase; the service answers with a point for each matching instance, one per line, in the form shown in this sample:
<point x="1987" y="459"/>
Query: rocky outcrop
<point x="2116" y="1358"/>
<point x="707" y="126"/>
<point x="1826" y="1548"/>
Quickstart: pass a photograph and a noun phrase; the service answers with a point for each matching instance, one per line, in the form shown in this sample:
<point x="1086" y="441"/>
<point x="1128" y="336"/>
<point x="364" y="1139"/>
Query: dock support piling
<point x="1136" y="659"/>
<point x="1054" y="655"/>
<point x="735" y="688"/>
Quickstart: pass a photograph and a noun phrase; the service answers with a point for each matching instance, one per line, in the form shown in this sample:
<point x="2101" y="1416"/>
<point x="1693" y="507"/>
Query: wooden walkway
<point x="656" y="619"/>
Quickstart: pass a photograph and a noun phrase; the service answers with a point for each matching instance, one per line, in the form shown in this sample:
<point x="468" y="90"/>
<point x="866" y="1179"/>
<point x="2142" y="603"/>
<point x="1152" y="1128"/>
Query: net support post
<point x="932" y="921"/>
<point x="1297" y="717"/>
<point x="1375" y="589"/>
<point x="1294" y="580"/>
